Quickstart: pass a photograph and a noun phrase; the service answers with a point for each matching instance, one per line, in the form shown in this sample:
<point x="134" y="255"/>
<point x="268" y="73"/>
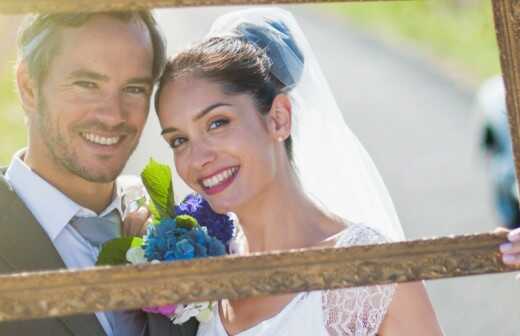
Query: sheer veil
<point x="333" y="166"/>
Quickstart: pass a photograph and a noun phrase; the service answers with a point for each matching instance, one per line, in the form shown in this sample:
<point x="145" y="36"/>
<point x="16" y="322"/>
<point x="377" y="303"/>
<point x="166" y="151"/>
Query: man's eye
<point x="176" y="142"/>
<point x="136" y="90"/>
<point x="218" y="123"/>
<point x="86" y="84"/>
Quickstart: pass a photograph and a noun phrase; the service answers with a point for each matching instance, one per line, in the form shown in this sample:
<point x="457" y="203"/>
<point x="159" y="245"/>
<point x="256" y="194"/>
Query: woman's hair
<point x="252" y="61"/>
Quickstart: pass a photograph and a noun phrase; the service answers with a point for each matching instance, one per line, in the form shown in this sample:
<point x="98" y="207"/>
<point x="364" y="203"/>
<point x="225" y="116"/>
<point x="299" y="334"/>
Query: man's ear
<point x="27" y="88"/>
<point x="280" y="118"/>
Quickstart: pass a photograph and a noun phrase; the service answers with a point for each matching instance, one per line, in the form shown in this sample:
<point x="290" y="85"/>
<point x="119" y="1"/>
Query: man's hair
<point x="39" y="38"/>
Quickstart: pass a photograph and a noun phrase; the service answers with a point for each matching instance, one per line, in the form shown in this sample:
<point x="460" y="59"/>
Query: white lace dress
<point x="341" y="312"/>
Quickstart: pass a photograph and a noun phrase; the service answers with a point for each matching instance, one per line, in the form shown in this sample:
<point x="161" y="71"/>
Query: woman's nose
<point x="201" y="154"/>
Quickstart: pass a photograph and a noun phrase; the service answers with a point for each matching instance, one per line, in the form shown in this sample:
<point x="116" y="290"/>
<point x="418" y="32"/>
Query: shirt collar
<point x="51" y="208"/>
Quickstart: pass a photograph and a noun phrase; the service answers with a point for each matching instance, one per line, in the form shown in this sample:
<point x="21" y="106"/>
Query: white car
<point x="496" y="145"/>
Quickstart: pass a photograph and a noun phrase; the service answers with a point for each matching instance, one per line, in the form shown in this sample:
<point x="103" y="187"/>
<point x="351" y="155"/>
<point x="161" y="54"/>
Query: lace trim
<point x="356" y="311"/>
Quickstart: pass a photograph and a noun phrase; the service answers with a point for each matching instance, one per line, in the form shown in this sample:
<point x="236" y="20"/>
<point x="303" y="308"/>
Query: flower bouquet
<point x="177" y="232"/>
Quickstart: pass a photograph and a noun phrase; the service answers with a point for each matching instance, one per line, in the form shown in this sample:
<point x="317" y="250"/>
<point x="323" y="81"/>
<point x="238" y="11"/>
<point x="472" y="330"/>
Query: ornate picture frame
<point x="65" y="292"/>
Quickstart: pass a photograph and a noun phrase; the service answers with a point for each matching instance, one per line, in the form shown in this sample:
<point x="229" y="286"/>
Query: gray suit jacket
<point x="26" y="247"/>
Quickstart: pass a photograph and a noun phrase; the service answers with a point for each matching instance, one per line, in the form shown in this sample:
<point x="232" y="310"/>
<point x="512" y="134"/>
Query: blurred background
<point x="417" y="83"/>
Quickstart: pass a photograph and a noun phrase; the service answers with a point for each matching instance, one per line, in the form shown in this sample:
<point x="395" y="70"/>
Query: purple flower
<point x="166" y="310"/>
<point x="218" y="225"/>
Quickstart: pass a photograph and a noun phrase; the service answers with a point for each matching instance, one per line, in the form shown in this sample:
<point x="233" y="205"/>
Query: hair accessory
<point x="328" y="156"/>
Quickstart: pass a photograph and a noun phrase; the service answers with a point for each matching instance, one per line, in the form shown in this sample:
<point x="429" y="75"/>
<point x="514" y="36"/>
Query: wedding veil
<point x="334" y="168"/>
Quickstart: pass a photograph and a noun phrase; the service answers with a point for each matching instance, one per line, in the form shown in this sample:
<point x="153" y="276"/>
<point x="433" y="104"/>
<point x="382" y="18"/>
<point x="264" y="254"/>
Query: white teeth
<point x="213" y="181"/>
<point x="107" y="141"/>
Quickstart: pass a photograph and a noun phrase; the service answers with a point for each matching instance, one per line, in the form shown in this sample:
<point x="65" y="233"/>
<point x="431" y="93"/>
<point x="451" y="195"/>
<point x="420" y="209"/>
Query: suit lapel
<point x="25" y="244"/>
<point x="26" y="247"/>
<point x="159" y="325"/>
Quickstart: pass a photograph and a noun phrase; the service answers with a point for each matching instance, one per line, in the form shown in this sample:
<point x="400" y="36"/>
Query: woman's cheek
<point x="180" y="166"/>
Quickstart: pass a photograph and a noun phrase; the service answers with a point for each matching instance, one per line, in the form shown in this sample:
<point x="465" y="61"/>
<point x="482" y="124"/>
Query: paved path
<point x="418" y="127"/>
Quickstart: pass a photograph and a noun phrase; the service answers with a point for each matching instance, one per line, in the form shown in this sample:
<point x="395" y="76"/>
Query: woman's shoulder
<point x="359" y="234"/>
<point x="357" y="310"/>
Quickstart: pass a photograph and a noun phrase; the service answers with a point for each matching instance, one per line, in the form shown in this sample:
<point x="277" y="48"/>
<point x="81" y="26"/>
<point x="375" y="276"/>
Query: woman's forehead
<point x="187" y="87"/>
<point x="185" y="98"/>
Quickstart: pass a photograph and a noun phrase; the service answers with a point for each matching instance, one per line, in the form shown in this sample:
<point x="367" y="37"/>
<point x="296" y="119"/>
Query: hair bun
<point x="275" y="39"/>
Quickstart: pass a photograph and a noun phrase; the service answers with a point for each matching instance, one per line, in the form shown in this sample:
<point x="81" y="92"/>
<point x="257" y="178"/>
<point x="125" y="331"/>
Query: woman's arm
<point x="410" y="313"/>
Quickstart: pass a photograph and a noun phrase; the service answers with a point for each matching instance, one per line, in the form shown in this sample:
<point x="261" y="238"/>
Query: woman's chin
<point x="222" y="206"/>
<point x="218" y="207"/>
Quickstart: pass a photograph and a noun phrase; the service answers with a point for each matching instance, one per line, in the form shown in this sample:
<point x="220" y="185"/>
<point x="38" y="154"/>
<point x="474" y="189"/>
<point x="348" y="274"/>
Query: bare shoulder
<point x="353" y="234"/>
<point x="410" y="312"/>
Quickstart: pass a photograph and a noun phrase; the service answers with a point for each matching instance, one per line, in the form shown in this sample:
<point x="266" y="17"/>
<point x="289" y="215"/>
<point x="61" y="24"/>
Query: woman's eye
<point x="218" y="123"/>
<point x="176" y="142"/>
<point x="86" y="84"/>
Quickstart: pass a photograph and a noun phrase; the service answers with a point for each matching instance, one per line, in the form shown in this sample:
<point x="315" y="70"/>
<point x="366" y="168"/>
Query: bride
<point x="255" y="130"/>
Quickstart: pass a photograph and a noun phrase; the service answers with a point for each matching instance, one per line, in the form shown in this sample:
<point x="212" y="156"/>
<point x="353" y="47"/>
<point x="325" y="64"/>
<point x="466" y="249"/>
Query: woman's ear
<point x="26" y="88"/>
<point x="279" y="119"/>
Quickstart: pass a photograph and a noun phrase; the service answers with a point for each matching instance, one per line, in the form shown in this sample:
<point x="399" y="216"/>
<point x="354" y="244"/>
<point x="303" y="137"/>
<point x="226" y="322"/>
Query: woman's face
<point x="222" y="146"/>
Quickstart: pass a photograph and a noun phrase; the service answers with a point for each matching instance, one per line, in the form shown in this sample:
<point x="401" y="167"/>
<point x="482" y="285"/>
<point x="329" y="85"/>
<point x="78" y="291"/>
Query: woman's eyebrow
<point x="200" y="115"/>
<point x="208" y="109"/>
<point x="168" y="130"/>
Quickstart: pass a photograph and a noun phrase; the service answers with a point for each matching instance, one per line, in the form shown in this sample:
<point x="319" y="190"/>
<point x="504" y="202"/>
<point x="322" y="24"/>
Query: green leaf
<point x="157" y="178"/>
<point x="156" y="217"/>
<point x="114" y="251"/>
<point x="186" y="221"/>
<point x="137" y="242"/>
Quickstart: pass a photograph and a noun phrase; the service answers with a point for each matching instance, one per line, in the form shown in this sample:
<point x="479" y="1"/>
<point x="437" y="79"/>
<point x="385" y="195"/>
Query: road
<point x="419" y="128"/>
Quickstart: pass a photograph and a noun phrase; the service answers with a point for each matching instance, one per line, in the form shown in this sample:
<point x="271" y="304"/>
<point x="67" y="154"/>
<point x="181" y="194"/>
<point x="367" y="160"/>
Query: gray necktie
<point x="98" y="230"/>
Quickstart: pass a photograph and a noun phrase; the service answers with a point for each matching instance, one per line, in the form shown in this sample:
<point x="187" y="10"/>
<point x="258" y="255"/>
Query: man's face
<point x="94" y="101"/>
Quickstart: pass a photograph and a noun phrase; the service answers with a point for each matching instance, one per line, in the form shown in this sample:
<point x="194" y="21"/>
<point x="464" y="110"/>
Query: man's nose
<point x="112" y="112"/>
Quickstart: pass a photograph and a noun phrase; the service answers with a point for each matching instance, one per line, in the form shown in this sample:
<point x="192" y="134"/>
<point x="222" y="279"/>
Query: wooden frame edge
<point x="65" y="292"/>
<point x="507" y="27"/>
<point x="61" y="6"/>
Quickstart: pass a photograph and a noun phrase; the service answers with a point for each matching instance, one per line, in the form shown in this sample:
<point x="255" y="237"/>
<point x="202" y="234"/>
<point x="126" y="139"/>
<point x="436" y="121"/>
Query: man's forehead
<point x="104" y="26"/>
<point x="104" y="36"/>
<point x="107" y="47"/>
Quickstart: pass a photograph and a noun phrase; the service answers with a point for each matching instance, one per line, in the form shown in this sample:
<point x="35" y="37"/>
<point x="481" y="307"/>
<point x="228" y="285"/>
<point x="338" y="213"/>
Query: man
<point x="85" y="82"/>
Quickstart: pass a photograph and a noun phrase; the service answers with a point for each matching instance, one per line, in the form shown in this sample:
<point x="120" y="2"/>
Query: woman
<point x="231" y="108"/>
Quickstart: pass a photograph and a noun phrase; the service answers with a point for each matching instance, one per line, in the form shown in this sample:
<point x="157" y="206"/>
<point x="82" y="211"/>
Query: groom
<point x="85" y="82"/>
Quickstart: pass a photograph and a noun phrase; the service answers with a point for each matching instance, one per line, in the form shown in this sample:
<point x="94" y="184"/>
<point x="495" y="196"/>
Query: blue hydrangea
<point x="218" y="225"/>
<point x="166" y="241"/>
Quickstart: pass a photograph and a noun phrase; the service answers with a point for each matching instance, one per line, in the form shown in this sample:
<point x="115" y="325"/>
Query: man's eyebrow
<point x="82" y="73"/>
<point x="88" y="74"/>
<point x="141" y="80"/>
<point x="200" y="115"/>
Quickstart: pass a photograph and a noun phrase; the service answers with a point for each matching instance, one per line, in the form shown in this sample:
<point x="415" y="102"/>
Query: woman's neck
<point x="283" y="217"/>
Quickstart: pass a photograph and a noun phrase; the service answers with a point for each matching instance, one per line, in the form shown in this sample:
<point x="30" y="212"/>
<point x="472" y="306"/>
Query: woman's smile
<point x="219" y="180"/>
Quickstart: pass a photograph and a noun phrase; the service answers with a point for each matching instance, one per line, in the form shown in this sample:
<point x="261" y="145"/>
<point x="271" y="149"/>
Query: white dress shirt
<point x="53" y="210"/>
